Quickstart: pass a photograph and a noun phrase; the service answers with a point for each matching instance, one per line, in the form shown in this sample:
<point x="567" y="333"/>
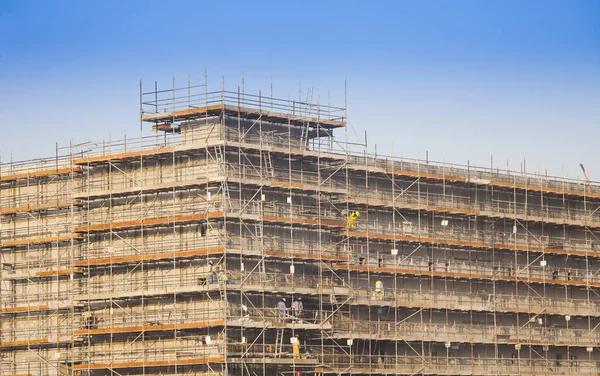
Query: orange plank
<point x="538" y="188"/>
<point x="465" y="243"/>
<point x="24" y="342"/>
<point x="176" y="114"/>
<point x="179" y="362"/>
<point x="40" y="173"/>
<point x="145" y="257"/>
<point x="52" y="239"/>
<point x="304" y="221"/>
<point x="416" y="174"/>
<point x="437" y="273"/>
<point x="126" y="155"/>
<point x="162" y="127"/>
<point x="193" y="111"/>
<point x="367" y="268"/>
<point x="149" y="328"/>
<point x="25" y="309"/>
<point x="58" y="272"/>
<point x="285" y="184"/>
<point x="453" y="210"/>
<point x="147" y="222"/>
<point x="390" y="204"/>
<point x="28" y="208"/>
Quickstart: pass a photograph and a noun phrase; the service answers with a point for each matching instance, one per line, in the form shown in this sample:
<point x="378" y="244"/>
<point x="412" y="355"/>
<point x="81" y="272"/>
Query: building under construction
<point x="243" y="238"/>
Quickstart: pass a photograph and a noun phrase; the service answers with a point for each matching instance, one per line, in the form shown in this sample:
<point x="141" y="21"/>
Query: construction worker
<point x="245" y="313"/>
<point x="282" y="309"/>
<point x="310" y="354"/>
<point x="87" y="320"/>
<point x="484" y="296"/>
<point x="211" y="272"/>
<point x="223" y="278"/>
<point x="379" y="289"/>
<point x="352" y="219"/>
<point x="296" y="347"/>
<point x="93" y="321"/>
<point x="300" y="307"/>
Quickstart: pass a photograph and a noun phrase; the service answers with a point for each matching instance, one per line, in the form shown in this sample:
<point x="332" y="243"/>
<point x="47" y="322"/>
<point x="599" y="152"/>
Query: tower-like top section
<point x="168" y="109"/>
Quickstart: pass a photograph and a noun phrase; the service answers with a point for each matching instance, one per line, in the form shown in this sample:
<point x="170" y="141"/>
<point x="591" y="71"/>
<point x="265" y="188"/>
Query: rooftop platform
<point x="166" y="108"/>
<point x="243" y="112"/>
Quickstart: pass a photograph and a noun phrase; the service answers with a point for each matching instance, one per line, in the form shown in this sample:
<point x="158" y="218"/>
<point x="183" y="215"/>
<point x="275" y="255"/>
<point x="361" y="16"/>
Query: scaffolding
<point x="221" y="245"/>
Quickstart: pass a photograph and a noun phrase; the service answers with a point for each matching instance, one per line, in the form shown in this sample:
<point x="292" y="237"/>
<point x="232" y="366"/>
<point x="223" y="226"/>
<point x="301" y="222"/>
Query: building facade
<point x="243" y="238"/>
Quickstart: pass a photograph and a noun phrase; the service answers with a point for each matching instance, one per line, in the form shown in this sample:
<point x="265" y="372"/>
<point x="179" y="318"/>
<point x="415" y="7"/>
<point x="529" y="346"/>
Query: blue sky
<point x="462" y="80"/>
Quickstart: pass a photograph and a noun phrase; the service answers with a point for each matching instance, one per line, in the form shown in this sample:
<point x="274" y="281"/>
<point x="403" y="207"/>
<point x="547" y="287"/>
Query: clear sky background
<point x="463" y="80"/>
